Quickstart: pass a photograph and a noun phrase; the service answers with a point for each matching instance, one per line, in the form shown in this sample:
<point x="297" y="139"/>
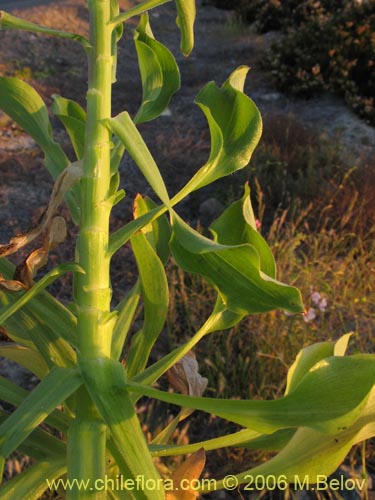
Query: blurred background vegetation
<point x="327" y="44"/>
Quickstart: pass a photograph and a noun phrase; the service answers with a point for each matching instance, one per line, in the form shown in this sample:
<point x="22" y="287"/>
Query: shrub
<point x="334" y="53"/>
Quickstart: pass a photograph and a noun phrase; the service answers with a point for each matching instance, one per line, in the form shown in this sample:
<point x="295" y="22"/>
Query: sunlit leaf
<point x="28" y="358"/>
<point x="234" y="271"/>
<point x="159" y="73"/>
<point x="73" y="117"/>
<point x="59" y="384"/>
<point x="235" y="126"/>
<point x="31" y="483"/>
<point x="187" y="473"/>
<point x="154" y="289"/>
<point x="330" y="398"/>
<point x="186" y="12"/>
<point x="124" y="128"/>
<point x="126" y="311"/>
<point x="158" y="232"/>
<point x="24" y="105"/>
<point x="236" y="225"/>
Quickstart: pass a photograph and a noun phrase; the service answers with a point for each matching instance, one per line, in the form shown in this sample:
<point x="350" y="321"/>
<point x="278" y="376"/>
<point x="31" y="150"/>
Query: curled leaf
<point x="38" y="258"/>
<point x="186" y="12"/>
<point x="185" y="477"/>
<point x="185" y="377"/>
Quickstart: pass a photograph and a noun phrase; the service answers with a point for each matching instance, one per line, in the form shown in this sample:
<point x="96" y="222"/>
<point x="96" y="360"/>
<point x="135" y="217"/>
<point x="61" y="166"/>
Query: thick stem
<point x="87" y="439"/>
<point x="93" y="292"/>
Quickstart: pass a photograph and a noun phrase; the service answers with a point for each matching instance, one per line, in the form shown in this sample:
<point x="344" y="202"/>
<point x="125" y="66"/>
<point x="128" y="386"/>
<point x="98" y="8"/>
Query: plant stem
<point x="87" y="439"/>
<point x="93" y="293"/>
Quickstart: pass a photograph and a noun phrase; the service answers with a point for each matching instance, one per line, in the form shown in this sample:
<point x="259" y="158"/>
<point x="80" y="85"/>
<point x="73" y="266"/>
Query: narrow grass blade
<point x="235" y="272"/>
<point x="24" y="105"/>
<point x="246" y="438"/>
<point x="124" y="128"/>
<point x="7" y="21"/>
<point x="73" y="117"/>
<point x="159" y="73"/>
<point x="158" y="232"/>
<point x="49" y="278"/>
<point x="155" y="296"/>
<point x="34" y="481"/>
<point x="126" y="311"/>
<point x="40" y="445"/>
<point x="105" y="382"/>
<point x="15" y="395"/>
<point x="123" y="235"/>
<point x="53" y="390"/>
<point x="28" y="358"/>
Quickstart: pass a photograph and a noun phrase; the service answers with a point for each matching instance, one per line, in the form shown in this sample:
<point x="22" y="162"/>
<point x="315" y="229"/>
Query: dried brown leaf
<point x="184" y="376"/>
<point x="185" y="477"/>
<point x="63" y="183"/>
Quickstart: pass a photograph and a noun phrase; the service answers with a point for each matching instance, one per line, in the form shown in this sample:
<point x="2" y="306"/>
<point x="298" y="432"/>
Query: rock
<point x="209" y="210"/>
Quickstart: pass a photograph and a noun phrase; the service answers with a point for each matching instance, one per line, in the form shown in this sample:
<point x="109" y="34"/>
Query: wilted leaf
<point x="63" y="183"/>
<point x="185" y="377"/>
<point x="26" y="271"/>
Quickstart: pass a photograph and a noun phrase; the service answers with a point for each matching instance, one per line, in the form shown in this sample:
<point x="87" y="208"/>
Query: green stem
<point x="87" y="439"/>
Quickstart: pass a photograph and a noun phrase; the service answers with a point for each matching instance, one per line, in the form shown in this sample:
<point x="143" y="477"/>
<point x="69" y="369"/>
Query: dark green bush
<point x="328" y="45"/>
<point x="334" y="53"/>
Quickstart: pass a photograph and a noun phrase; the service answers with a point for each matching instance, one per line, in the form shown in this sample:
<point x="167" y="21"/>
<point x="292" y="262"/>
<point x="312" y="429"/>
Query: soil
<point x="179" y="139"/>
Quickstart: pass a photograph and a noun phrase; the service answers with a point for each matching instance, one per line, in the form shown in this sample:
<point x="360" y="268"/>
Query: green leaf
<point x="127" y="132"/>
<point x="15" y="395"/>
<point x="236" y="226"/>
<point x="39" y="328"/>
<point x="24" y="105"/>
<point x="310" y="355"/>
<point x="159" y="73"/>
<point x="7" y="21"/>
<point x="126" y="311"/>
<point x="235" y="126"/>
<point x="123" y="235"/>
<point x="185" y="21"/>
<point x="105" y="382"/>
<point x="234" y="271"/>
<point x="37" y="315"/>
<point x="220" y="319"/>
<point x="40" y="445"/>
<point x="49" y="278"/>
<point x="73" y="117"/>
<point x="154" y="287"/>
<point x="28" y="358"/>
<point x="32" y="483"/>
<point x="158" y="232"/>
<point x="246" y="438"/>
<point x="53" y="390"/>
<point x="329" y="398"/>
<point x="312" y="454"/>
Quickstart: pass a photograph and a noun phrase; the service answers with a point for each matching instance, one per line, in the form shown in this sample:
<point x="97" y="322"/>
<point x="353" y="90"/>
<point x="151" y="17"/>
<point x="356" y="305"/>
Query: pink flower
<point x="309" y="315"/>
